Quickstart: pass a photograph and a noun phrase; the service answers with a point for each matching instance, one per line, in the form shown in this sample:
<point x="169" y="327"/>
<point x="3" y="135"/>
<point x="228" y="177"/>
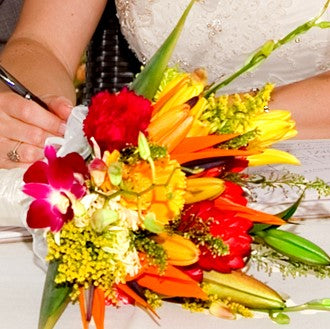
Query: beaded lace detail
<point x="220" y="35"/>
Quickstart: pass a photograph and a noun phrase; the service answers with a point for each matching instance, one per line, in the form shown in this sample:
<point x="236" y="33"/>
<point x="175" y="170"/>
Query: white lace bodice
<point x="220" y="35"/>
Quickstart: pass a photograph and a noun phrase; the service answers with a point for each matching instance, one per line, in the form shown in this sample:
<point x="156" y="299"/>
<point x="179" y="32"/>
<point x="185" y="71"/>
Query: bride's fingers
<point x="16" y="130"/>
<point x="60" y="105"/>
<point x="16" y="154"/>
<point x="30" y="113"/>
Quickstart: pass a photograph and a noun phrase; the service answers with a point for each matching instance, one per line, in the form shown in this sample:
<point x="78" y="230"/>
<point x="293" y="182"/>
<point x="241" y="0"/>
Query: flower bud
<point x="102" y="218"/>
<point x="242" y="289"/>
<point x="204" y="188"/>
<point x="295" y="247"/>
<point x="180" y="251"/>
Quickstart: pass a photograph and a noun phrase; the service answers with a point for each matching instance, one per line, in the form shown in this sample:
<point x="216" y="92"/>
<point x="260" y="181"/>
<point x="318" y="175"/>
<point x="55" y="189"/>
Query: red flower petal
<point x="115" y="120"/>
<point x="36" y="173"/>
<point x="60" y="176"/>
<point x="232" y="229"/>
<point x="41" y="214"/>
<point x="37" y="190"/>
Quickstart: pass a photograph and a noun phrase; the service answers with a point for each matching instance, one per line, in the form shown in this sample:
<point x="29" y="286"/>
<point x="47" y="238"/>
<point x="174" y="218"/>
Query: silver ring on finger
<point x="13" y="154"/>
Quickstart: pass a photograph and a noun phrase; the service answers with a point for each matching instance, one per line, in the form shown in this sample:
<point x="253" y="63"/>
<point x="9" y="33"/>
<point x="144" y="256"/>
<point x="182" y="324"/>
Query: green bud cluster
<point x="153" y="299"/>
<point x="156" y="253"/>
<point x="235" y="113"/>
<point x="169" y="75"/>
<point x="130" y="155"/>
<point x="240" y="141"/>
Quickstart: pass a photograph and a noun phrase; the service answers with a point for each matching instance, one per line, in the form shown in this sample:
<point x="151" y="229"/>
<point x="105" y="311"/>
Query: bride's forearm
<point x="37" y="68"/>
<point x="309" y="102"/>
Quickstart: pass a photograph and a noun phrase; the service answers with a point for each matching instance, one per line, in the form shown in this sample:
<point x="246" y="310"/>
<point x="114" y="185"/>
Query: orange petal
<point x="210" y="153"/>
<point x="193" y="144"/>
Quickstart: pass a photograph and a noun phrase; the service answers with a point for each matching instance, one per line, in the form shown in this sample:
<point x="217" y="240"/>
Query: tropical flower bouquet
<point x="158" y="210"/>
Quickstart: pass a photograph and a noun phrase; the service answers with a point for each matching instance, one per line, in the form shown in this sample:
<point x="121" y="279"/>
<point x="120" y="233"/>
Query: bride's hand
<point x="24" y="127"/>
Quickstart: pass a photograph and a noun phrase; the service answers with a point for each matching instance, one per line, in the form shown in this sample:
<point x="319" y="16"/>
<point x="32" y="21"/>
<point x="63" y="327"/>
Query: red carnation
<point x="227" y="225"/>
<point x="114" y="120"/>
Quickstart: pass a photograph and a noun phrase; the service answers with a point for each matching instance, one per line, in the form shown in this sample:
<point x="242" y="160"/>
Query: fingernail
<point x="62" y="128"/>
<point x="65" y="103"/>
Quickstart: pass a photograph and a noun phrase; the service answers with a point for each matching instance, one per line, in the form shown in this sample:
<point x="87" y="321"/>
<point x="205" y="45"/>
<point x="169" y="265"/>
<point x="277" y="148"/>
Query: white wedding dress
<point x="218" y="35"/>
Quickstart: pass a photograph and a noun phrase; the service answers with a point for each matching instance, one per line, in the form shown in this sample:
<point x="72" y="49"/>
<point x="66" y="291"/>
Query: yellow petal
<point x="204" y="188"/>
<point x="272" y="156"/>
<point x="180" y="251"/>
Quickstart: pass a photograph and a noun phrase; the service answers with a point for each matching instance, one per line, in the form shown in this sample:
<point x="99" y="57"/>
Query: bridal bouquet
<point x="158" y="212"/>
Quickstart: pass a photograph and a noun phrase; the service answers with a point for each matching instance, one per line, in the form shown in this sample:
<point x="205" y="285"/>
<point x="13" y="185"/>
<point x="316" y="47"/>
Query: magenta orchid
<point x="54" y="186"/>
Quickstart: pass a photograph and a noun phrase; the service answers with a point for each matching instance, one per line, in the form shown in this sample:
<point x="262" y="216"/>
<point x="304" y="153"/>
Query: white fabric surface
<point x="220" y="35"/>
<point x="314" y="156"/>
<point x="21" y="284"/>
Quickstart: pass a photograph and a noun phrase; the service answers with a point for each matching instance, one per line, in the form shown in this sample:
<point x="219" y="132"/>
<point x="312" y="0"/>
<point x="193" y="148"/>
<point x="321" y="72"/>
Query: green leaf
<point x="288" y="213"/>
<point x="55" y="298"/>
<point x="147" y="82"/>
<point x="319" y="304"/>
<point x="259" y="227"/>
<point x="285" y="214"/>
<point x="143" y="146"/>
<point x="280" y="318"/>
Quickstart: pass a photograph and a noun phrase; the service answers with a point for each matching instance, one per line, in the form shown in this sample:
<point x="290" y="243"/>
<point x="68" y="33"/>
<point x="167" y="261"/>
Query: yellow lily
<point x="179" y="91"/>
<point x="273" y="127"/>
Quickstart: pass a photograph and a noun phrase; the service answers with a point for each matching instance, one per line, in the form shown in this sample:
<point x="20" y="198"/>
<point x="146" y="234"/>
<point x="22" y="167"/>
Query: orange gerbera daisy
<point x="162" y="195"/>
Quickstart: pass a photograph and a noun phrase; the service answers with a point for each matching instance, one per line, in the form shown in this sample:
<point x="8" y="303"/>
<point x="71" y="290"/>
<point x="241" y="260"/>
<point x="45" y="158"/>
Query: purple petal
<point x="37" y="190"/>
<point x="36" y="173"/>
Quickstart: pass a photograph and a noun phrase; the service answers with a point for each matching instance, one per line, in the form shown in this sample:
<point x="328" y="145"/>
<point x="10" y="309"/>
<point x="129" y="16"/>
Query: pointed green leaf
<point x="288" y="213"/>
<point x="285" y="214"/>
<point x="54" y="299"/>
<point x="147" y="82"/>
<point x="259" y="227"/>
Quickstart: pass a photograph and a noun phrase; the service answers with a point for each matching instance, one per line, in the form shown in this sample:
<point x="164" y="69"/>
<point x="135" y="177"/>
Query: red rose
<point x="114" y="120"/>
<point x="232" y="229"/>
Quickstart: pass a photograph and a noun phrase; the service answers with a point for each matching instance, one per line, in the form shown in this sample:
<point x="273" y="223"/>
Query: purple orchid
<point x="54" y="186"/>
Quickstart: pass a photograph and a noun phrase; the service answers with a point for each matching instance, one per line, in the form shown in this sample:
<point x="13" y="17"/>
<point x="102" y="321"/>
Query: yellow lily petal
<point x="272" y="156"/>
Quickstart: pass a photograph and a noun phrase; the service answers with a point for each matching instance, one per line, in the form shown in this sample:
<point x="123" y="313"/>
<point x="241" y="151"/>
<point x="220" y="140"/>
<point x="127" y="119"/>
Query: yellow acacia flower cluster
<point x="88" y="257"/>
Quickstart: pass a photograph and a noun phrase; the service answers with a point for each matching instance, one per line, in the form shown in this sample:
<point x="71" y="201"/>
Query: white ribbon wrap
<point x="14" y="203"/>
